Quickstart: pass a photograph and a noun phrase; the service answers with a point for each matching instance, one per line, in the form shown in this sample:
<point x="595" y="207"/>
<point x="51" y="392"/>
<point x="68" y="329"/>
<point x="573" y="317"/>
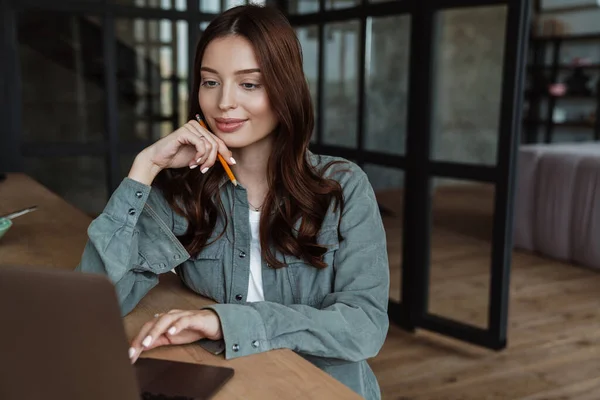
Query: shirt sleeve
<point x="352" y="322"/>
<point x="132" y="241"/>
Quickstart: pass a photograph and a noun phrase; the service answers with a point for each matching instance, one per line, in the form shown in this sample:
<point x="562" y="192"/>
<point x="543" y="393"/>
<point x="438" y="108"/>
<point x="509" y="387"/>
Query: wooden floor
<point x="554" y="317"/>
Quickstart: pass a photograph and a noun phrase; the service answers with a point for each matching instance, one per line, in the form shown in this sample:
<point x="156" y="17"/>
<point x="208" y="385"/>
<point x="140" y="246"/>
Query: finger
<point x="210" y="159"/>
<point x="225" y="152"/>
<point x="209" y="144"/>
<point x="160" y="327"/>
<point x="211" y="149"/>
<point x="190" y="137"/>
<point x="200" y="158"/>
<point x="220" y="144"/>
<point x="194" y="326"/>
<point x="160" y="341"/>
<point x="136" y="344"/>
<point x="180" y="324"/>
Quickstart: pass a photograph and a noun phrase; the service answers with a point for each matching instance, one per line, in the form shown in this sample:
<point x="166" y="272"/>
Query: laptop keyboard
<point x="159" y="396"/>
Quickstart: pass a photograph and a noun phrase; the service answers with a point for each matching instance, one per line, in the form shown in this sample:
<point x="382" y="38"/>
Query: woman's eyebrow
<point x="239" y="72"/>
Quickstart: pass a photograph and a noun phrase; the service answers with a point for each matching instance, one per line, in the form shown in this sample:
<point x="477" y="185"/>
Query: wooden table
<point x="54" y="236"/>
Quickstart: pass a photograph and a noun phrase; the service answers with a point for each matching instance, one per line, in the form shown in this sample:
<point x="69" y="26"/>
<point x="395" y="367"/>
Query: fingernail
<point x="131" y="352"/>
<point x="172" y="330"/>
<point x="232" y="160"/>
<point x="193" y="166"/>
<point x="204" y="170"/>
<point x="198" y="160"/>
<point x="147" y="341"/>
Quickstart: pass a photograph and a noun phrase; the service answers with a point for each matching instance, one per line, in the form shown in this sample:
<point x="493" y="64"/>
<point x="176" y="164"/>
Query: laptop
<point x="62" y="337"/>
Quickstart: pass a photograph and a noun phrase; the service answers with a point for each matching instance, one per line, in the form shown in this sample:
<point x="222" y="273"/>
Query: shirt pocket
<point x="204" y="273"/>
<point x="310" y="285"/>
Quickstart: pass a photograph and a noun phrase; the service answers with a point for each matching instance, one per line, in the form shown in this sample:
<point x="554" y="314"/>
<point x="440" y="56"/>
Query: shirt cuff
<point x="127" y="201"/>
<point x="243" y="330"/>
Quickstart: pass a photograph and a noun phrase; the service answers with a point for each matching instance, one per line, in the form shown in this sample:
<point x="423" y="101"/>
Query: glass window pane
<point x="184" y="96"/>
<point x="462" y="214"/>
<point x="337" y="4"/>
<point x="182" y="49"/>
<point x="468" y="84"/>
<point x="81" y="181"/>
<point x="165" y="30"/>
<point x="147" y="72"/>
<point x="152" y="29"/>
<point x="166" y="105"/>
<point x="309" y="40"/>
<point x="209" y="6"/>
<point x="303" y="6"/>
<point x="388" y="184"/>
<point x="387" y="63"/>
<point x="341" y="83"/>
<point x="179" y="5"/>
<point x="166" y="61"/>
<point x="62" y="77"/>
<point x="233" y="3"/>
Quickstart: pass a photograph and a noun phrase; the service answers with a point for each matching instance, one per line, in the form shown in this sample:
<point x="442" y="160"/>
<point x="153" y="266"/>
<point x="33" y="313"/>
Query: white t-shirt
<point x="255" y="285"/>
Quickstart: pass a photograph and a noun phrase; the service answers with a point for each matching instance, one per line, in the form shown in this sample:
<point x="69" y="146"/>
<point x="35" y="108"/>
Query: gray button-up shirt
<point x="335" y="317"/>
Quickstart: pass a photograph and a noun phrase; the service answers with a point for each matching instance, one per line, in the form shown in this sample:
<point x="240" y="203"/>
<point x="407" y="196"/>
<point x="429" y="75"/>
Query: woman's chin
<point x="239" y="141"/>
<point x="235" y="143"/>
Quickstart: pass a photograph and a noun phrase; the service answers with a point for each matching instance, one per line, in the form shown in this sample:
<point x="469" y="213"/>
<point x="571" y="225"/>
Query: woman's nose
<point x="227" y="101"/>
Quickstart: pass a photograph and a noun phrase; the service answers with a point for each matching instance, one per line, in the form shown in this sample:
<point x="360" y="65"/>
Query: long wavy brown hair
<point x="297" y="190"/>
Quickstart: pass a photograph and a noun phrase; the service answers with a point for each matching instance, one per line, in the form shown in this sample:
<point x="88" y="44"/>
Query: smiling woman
<point x="295" y="254"/>
<point x="232" y="99"/>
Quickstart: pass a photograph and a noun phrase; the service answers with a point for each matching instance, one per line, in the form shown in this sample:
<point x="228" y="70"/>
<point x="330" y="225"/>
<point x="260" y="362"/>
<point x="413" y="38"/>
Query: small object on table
<point x="16" y="214"/>
<point x="6" y="220"/>
<point x="5" y="225"/>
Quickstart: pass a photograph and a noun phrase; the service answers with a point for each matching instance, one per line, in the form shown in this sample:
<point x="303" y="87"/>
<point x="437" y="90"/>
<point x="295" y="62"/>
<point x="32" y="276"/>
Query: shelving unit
<point x="540" y="75"/>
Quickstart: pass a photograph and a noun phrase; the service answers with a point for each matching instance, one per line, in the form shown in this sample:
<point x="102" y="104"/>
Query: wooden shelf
<point x="566" y="67"/>
<point x="568" y="96"/>
<point x="566" y="124"/>
<point x="569" y="38"/>
<point x="541" y="70"/>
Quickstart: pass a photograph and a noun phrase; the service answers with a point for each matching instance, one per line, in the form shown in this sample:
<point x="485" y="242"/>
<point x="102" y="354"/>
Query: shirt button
<point x="177" y="256"/>
<point x="242" y="254"/>
<point x="162" y="265"/>
<point x="239" y="297"/>
<point x="138" y="194"/>
<point x="235" y="347"/>
<point x="131" y="211"/>
<point x="255" y="344"/>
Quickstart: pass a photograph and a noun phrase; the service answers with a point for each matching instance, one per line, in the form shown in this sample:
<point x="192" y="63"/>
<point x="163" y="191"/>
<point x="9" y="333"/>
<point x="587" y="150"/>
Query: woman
<point x="295" y="254"/>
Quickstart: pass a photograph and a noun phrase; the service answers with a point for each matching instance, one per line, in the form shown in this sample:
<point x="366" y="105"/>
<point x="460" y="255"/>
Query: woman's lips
<point x="229" y="125"/>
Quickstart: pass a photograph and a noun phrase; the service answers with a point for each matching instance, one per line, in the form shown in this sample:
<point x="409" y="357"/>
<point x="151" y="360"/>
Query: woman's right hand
<point x="189" y="146"/>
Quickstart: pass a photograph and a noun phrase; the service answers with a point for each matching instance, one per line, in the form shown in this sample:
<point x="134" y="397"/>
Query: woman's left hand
<point x="176" y="327"/>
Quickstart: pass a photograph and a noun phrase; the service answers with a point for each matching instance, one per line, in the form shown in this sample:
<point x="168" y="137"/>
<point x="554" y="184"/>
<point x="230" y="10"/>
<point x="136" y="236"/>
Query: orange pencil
<point x="223" y="162"/>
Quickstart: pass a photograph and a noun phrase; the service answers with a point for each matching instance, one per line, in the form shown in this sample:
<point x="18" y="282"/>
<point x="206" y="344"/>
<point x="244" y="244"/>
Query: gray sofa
<point x="557" y="209"/>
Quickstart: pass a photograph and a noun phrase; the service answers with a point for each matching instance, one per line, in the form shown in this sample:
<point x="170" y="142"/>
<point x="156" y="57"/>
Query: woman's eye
<point x="209" y="83"/>
<point x="250" y="86"/>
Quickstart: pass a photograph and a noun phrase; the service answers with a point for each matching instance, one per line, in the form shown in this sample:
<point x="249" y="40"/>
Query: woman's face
<point x="232" y="95"/>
